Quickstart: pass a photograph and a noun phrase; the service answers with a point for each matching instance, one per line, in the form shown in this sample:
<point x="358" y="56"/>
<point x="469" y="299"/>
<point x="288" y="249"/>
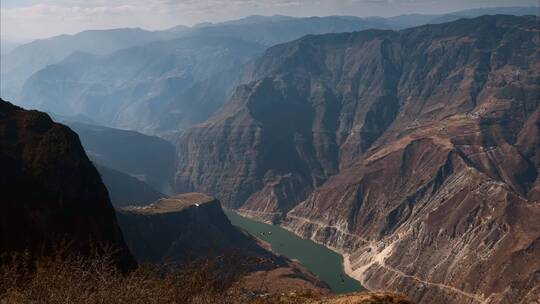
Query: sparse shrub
<point x="65" y="278"/>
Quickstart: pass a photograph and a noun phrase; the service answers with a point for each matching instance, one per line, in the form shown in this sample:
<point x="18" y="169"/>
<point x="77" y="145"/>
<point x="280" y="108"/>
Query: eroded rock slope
<point x="414" y="153"/>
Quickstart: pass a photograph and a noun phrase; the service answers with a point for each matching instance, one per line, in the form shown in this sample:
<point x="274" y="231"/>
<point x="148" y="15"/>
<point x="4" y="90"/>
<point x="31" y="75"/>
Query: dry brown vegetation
<point x="67" y="279"/>
<point x="73" y="279"/>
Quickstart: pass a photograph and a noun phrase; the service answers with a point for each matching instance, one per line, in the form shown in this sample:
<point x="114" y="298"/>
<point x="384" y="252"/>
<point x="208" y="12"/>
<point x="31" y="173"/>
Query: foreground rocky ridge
<point x="183" y="227"/>
<point x="414" y="153"/>
<point x="190" y="227"/>
<point x="51" y="194"/>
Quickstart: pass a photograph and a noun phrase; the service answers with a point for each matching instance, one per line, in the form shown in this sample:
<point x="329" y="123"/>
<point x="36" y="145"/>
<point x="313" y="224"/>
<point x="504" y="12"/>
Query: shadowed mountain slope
<point x="148" y="158"/>
<point x="50" y="192"/>
<point x="126" y="190"/>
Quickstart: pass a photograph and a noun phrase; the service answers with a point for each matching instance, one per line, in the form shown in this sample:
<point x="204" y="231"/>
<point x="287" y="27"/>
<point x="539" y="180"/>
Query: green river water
<point x="325" y="263"/>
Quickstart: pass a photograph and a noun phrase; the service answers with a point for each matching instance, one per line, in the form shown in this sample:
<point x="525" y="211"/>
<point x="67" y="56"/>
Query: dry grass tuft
<point x="70" y="279"/>
<point x="74" y="279"/>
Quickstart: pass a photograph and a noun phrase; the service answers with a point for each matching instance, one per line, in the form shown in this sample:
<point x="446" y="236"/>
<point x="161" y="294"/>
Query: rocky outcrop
<point x="50" y="193"/>
<point x="414" y="153"/>
<point x="182" y="227"/>
<point x="192" y="226"/>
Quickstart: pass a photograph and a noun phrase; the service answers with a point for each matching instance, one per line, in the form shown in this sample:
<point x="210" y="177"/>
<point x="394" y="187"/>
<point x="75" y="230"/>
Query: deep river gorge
<point x="325" y="263"/>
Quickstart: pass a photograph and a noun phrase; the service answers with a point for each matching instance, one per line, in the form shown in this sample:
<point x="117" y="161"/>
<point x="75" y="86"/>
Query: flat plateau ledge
<point x="173" y="204"/>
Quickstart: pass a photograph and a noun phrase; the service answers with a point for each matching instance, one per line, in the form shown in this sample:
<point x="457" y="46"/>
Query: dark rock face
<point x="414" y="153"/>
<point x="50" y="192"/>
<point x="182" y="227"/>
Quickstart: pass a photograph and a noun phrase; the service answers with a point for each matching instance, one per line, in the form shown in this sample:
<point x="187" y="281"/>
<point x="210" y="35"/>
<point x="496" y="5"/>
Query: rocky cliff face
<point x="181" y="227"/>
<point x="192" y="226"/>
<point x="414" y="153"/>
<point x="50" y="192"/>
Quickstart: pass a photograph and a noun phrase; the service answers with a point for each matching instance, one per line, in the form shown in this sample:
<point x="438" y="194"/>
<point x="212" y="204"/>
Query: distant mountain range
<point x="153" y="88"/>
<point x="7" y="46"/>
<point x="165" y="86"/>
<point x="19" y="64"/>
<point x="164" y="81"/>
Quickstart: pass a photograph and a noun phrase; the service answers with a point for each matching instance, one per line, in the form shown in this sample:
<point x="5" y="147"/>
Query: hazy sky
<point x="30" y="19"/>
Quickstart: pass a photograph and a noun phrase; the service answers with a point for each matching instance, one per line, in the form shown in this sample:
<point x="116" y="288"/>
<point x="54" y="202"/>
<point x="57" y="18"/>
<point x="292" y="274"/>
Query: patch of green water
<point x="325" y="263"/>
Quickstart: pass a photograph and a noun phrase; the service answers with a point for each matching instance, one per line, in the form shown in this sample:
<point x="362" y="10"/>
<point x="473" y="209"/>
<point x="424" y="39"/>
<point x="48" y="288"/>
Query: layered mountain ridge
<point x="152" y="88"/>
<point x="164" y="86"/>
<point x="413" y="153"/>
<point x="19" y="64"/>
<point x="147" y="158"/>
<point x="162" y="82"/>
